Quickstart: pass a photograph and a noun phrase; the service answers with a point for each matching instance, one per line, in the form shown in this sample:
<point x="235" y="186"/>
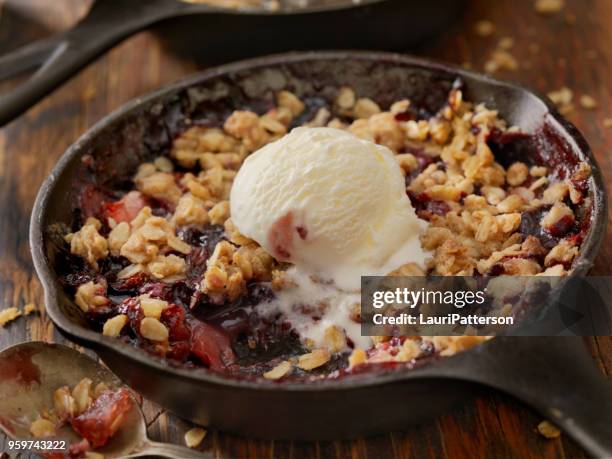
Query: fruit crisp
<point x="163" y="267"/>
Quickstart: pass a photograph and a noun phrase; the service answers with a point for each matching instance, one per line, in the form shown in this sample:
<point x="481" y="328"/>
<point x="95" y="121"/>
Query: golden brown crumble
<point x="90" y="296"/>
<point x="114" y="325"/>
<point x="194" y="436"/>
<point x="279" y="371"/>
<point x="335" y="339"/>
<point x="563" y="253"/>
<point x="42" y="428"/>
<point x="88" y="243"/>
<point x="229" y="268"/>
<point x="506" y="43"/>
<point x="153" y="330"/>
<point x="501" y="59"/>
<point x="8" y="315"/>
<point x="314" y="359"/>
<point x="563" y="99"/>
<point x="548" y="6"/>
<point x="548" y="430"/>
<point x="588" y="102"/>
<point x="160" y="185"/>
<point x="557" y="213"/>
<point x="484" y="28"/>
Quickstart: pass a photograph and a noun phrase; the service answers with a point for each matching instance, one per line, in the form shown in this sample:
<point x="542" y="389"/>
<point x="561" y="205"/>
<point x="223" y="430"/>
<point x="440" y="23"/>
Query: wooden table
<point x="571" y="48"/>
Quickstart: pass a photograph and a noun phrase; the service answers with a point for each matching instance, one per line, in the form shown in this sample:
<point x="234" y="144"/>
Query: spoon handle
<point x="153" y="448"/>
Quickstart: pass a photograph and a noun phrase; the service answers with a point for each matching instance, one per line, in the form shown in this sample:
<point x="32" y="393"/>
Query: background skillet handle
<point x="557" y="376"/>
<point x="107" y="23"/>
<point x="28" y="57"/>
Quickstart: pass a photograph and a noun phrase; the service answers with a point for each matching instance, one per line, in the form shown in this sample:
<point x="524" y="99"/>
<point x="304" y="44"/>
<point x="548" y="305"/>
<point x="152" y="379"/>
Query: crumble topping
<point x="563" y="99"/>
<point x="548" y="430"/>
<point x="91" y="296"/>
<point x="8" y="315"/>
<point x="588" y="102"/>
<point x="194" y="436"/>
<point x="548" y="6"/>
<point x="88" y="243"/>
<point x="484" y="28"/>
<point x="485" y="218"/>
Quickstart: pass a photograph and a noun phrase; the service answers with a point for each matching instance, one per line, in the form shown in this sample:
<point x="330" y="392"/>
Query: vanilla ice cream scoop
<point x="330" y="203"/>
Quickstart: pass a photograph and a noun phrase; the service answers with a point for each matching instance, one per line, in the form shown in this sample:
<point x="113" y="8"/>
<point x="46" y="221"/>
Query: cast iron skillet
<point x="554" y="375"/>
<point x="213" y="33"/>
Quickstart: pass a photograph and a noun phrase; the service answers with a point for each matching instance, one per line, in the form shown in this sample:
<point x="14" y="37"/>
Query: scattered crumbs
<point x="501" y="60"/>
<point x="29" y="309"/>
<point x="548" y="430"/>
<point x="607" y="122"/>
<point x="548" y="6"/>
<point x="484" y="28"/>
<point x="193" y="437"/>
<point x="563" y="99"/>
<point x="588" y="102"/>
<point x="506" y="43"/>
<point x="8" y="315"/>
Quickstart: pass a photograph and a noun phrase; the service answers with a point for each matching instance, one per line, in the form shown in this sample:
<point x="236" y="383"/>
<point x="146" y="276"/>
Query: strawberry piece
<point x="103" y="418"/>
<point x="211" y="346"/>
<point x="126" y="209"/>
<point x="173" y="317"/>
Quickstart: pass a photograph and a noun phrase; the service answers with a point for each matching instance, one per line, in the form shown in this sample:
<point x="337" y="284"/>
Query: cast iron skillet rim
<point x="191" y="8"/>
<point x="589" y="249"/>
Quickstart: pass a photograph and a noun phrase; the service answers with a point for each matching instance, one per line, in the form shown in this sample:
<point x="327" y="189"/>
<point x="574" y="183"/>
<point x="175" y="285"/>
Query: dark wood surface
<point x="571" y="48"/>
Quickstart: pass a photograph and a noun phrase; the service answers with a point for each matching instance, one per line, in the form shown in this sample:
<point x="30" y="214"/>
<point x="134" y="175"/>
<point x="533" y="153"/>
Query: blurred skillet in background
<point x="196" y="29"/>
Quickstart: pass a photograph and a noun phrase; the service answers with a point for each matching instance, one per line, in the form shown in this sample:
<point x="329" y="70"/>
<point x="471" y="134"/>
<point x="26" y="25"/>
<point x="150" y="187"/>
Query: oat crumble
<point x="548" y="7"/>
<point x="548" y="430"/>
<point x="588" y="102"/>
<point x="484" y="28"/>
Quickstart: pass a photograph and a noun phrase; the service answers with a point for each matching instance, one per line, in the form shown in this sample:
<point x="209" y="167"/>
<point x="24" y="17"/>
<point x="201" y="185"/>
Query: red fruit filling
<point x="126" y="209"/>
<point x="211" y="346"/>
<point x="104" y="417"/>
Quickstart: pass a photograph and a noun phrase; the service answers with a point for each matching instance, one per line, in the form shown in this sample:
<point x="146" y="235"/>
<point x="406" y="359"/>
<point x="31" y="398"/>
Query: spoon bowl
<point x="31" y="372"/>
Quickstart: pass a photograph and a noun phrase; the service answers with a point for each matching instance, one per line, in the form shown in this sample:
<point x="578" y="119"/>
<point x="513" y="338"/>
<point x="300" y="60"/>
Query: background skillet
<point x="198" y="27"/>
<point x="367" y="405"/>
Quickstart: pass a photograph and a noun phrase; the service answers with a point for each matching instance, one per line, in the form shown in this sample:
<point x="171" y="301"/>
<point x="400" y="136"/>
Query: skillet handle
<point x="555" y="375"/>
<point x="107" y="23"/>
<point x="27" y="57"/>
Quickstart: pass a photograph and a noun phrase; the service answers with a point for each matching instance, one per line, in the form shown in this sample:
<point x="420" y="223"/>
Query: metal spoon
<point x="31" y="372"/>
